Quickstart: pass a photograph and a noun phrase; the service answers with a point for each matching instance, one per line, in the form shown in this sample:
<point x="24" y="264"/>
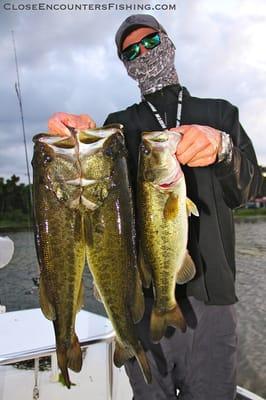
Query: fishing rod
<point x="19" y="96"/>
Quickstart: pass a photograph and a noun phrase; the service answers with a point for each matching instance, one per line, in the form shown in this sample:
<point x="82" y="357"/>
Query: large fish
<point x="163" y="210"/>
<point x="59" y="241"/>
<point x="83" y="206"/>
<point x="110" y="240"/>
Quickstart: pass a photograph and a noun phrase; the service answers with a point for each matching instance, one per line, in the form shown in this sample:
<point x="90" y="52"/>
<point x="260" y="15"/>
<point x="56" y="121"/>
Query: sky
<point x="68" y="62"/>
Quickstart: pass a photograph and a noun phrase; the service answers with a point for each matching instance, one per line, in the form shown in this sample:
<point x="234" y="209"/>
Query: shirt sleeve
<point x="241" y="178"/>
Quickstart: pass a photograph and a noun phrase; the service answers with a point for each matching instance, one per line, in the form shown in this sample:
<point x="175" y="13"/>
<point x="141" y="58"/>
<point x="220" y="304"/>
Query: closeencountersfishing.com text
<point x="15" y="6"/>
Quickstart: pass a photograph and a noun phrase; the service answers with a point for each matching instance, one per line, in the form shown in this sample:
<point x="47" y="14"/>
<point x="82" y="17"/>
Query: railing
<point x="244" y="394"/>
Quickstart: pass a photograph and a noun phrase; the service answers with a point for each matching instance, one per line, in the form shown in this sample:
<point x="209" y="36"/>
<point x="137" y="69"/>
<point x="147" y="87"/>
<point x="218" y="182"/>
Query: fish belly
<point x="163" y="245"/>
<point x="111" y="256"/>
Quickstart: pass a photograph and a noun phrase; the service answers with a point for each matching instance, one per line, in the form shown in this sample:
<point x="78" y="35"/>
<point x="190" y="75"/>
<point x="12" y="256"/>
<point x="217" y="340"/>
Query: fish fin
<point x="144" y="271"/>
<point x="144" y="364"/>
<point x="187" y="270"/>
<point x="121" y="354"/>
<point x="61" y="379"/>
<point x="62" y="363"/>
<point x="46" y="306"/>
<point x="160" y="321"/>
<point x="171" y="207"/>
<point x="138" y="305"/>
<point x="191" y="208"/>
<point x="80" y="301"/>
<point x="69" y="358"/>
<point x="96" y="293"/>
<point x="74" y="356"/>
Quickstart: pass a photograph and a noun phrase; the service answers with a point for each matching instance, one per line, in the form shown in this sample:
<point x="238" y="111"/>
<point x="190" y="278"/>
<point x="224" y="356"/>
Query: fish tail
<point x="69" y="358"/>
<point x="161" y="320"/>
<point x="74" y="356"/>
<point x="62" y="363"/>
<point x="144" y="365"/>
<point x="121" y="354"/>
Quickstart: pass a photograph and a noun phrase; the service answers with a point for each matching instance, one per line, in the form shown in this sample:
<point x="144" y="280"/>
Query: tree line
<point x="14" y="199"/>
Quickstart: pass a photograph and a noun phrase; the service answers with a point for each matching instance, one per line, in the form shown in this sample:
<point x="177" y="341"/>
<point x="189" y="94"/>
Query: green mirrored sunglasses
<point x="133" y="51"/>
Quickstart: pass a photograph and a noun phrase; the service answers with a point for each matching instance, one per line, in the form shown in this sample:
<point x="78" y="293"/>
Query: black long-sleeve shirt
<point x="215" y="189"/>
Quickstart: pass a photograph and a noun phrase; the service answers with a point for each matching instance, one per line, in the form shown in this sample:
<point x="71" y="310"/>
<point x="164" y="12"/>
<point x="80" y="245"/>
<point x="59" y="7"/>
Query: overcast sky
<point x="68" y="62"/>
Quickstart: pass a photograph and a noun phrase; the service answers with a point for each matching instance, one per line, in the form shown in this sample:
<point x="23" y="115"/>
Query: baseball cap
<point x="133" y="22"/>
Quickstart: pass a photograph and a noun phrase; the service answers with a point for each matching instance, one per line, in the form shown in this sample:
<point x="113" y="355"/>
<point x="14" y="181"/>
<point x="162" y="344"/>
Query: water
<point x="251" y="285"/>
<point x="18" y="291"/>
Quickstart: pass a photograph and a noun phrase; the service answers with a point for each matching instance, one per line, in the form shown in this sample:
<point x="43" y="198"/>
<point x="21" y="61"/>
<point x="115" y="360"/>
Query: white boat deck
<point x="28" y="334"/>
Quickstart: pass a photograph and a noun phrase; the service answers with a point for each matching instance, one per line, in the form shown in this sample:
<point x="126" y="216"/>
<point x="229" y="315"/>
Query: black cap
<point x="133" y="22"/>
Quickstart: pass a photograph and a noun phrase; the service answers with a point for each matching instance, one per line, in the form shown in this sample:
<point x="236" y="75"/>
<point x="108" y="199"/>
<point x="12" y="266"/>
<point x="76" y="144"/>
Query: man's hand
<point x="59" y="122"/>
<point x="199" y="145"/>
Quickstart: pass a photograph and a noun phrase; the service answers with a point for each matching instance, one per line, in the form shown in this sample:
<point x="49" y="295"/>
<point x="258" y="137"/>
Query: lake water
<point x="17" y="291"/>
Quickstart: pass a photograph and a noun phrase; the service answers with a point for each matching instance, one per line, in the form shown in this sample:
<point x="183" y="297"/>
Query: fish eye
<point x="108" y="152"/>
<point x="47" y="159"/>
<point x="145" y="149"/>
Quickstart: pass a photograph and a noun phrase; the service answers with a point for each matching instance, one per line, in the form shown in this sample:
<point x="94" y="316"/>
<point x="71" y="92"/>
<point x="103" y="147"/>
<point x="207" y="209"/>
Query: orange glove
<point x="59" y="122"/>
<point x="199" y="145"/>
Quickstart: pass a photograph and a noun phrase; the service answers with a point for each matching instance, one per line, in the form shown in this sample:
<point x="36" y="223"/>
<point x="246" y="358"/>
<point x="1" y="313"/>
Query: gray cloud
<point x="68" y="63"/>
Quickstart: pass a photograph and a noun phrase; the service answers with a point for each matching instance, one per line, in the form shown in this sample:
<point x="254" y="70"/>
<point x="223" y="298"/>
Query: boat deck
<point x="26" y="335"/>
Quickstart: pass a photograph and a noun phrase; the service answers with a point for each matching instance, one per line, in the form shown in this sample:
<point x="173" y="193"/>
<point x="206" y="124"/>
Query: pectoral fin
<point x="187" y="271"/>
<point x="171" y="207"/>
<point x="46" y="306"/>
<point x="191" y="208"/>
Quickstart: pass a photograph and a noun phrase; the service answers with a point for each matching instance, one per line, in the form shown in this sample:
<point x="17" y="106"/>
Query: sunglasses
<point x="133" y="51"/>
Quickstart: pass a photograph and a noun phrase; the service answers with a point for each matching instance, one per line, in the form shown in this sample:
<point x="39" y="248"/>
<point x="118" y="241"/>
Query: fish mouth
<point x="172" y="176"/>
<point x="161" y="147"/>
<point x="171" y="180"/>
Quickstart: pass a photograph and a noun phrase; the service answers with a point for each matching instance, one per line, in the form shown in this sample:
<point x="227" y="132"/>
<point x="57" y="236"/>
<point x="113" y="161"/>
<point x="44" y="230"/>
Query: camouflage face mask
<point x="154" y="69"/>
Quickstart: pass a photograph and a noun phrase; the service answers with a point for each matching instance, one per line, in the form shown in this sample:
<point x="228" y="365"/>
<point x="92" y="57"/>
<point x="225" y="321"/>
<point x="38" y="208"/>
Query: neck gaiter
<point x="154" y="69"/>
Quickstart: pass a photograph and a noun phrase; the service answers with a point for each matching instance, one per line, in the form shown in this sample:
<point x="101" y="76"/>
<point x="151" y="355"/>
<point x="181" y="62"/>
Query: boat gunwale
<point x="247" y="395"/>
<point x="11" y="358"/>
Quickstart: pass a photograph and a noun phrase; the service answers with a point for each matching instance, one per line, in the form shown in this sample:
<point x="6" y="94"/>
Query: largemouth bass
<point x="59" y="238"/>
<point x="110" y="241"/>
<point x="163" y="210"/>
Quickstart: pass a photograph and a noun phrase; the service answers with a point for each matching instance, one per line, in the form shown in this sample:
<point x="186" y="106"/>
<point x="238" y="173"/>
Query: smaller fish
<point x="163" y="210"/>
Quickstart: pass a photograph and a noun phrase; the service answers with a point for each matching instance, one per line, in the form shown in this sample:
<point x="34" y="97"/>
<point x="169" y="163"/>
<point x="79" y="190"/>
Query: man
<point x="221" y="173"/>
